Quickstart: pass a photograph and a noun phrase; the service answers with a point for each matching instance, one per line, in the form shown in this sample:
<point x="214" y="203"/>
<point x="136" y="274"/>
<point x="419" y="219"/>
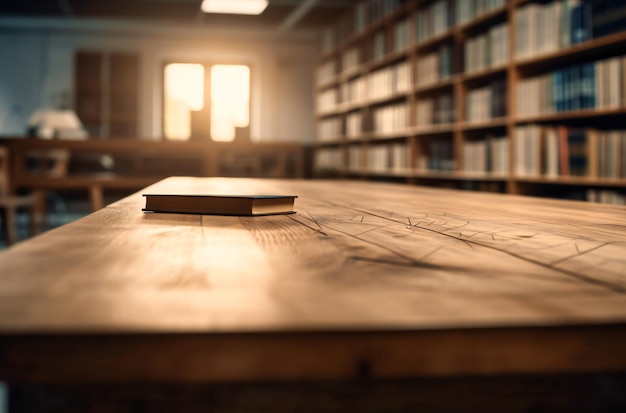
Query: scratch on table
<point x="578" y="253"/>
<point x="371" y="229"/>
<point x="581" y="277"/>
<point x="431" y="253"/>
<point x="317" y="230"/>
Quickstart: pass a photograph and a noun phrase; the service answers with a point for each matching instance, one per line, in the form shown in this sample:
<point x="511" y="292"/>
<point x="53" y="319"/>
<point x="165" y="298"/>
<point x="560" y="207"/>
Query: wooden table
<point x="365" y="282"/>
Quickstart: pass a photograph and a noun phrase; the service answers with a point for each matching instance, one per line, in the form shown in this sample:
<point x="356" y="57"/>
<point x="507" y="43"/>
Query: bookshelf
<point x="516" y="96"/>
<point x="107" y="95"/>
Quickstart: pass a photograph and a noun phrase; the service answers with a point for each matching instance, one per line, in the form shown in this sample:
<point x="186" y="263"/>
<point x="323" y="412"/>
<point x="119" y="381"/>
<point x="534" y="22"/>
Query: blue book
<point x="565" y="90"/>
<point x="557" y="91"/>
<point x="607" y="17"/>
<point x="589" y="76"/>
<point x="580" y="23"/>
<point x="576" y="88"/>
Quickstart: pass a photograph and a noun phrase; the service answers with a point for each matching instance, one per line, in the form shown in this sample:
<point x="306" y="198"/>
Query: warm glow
<point x="184" y="92"/>
<point x="230" y="100"/>
<point x="234" y="6"/>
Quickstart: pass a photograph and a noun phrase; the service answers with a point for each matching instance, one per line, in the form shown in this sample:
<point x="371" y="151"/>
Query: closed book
<point x="220" y="204"/>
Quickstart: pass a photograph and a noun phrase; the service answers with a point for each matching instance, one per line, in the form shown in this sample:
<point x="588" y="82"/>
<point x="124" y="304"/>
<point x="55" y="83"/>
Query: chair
<point x="9" y="203"/>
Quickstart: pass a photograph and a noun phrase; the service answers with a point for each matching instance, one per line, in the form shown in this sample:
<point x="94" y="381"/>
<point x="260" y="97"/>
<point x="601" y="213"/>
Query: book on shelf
<point x="489" y="154"/>
<point x="487" y="102"/>
<point x="435" y="110"/>
<point x="434" y="19"/>
<point x="435" y="66"/>
<point x="355" y="162"/>
<point x="598" y="84"/>
<point x="441" y="155"/>
<point x="240" y="205"/>
<point x="611" y="154"/>
<point x="387" y="157"/>
<point x="467" y="10"/>
<point x="328" y="161"/>
<point x="487" y="49"/>
<point x="390" y="118"/>
<point x="555" y="151"/>
<point x="607" y="17"/>
<point x="575" y="149"/>
<point x="401" y="35"/>
<point x="606" y="196"/>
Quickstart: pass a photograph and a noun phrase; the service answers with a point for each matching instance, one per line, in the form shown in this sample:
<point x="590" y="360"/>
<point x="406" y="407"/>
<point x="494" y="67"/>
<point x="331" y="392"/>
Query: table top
<point x="478" y="282"/>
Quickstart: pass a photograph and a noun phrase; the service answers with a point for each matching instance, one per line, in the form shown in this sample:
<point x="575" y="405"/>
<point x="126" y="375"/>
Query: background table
<point x="366" y="282"/>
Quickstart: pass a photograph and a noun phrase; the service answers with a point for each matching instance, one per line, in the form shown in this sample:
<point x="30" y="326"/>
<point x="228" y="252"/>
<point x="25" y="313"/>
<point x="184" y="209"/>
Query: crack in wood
<point x="583" y="278"/>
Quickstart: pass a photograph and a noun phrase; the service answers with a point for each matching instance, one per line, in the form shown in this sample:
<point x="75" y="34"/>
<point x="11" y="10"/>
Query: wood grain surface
<point x="366" y="278"/>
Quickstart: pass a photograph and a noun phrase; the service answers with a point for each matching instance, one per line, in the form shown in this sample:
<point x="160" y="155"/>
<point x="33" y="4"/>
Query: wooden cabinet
<point x="476" y="95"/>
<point x="107" y="92"/>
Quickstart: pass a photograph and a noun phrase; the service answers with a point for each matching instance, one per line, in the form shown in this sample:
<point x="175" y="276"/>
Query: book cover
<point x="245" y="205"/>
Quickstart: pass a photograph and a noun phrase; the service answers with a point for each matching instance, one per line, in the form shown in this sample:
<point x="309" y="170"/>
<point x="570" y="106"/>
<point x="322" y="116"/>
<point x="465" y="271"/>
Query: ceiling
<point x="284" y="14"/>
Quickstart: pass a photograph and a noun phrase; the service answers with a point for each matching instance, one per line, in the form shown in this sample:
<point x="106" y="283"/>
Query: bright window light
<point x="234" y="6"/>
<point x="184" y="92"/>
<point x="230" y="100"/>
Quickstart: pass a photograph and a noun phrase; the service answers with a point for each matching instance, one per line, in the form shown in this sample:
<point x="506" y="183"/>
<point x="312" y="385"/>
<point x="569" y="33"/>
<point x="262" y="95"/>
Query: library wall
<point x="516" y="96"/>
<point x="41" y="67"/>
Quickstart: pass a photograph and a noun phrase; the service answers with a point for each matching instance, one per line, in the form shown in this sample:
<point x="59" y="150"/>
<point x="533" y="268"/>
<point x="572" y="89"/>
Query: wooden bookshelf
<point x="515" y="64"/>
<point x="107" y="92"/>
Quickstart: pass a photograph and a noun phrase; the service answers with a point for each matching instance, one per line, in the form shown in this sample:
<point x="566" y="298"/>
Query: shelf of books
<point x="516" y="96"/>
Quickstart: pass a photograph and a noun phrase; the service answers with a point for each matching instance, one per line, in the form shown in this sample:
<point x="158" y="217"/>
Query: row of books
<point x="489" y="49"/>
<point x="545" y="28"/>
<point x="434" y="19"/>
<point x="611" y="154"/>
<point x="431" y="20"/>
<point x="435" y="67"/>
<point x="327" y="101"/>
<point x="487" y="102"/>
<point x="329" y="129"/>
<point x="555" y="151"/>
<point x="467" y="10"/>
<point x="490" y="154"/>
<point x="390" y="119"/>
<point x="591" y="85"/>
<point x="401" y="35"/>
<point x="606" y="196"/>
<point x="355" y="159"/>
<point x="364" y="14"/>
<point x="354" y="125"/>
<point x="380" y="84"/>
<point x="550" y="151"/>
<point x="439" y="156"/>
<point x="354" y="90"/>
<point x="541" y="27"/>
<point x="400" y="40"/>
<point x="328" y="160"/>
<point x="435" y="110"/>
<point x="389" y="81"/>
<point x="370" y="11"/>
<point x="350" y="59"/>
<point x="388" y="157"/>
<point x="379" y="49"/>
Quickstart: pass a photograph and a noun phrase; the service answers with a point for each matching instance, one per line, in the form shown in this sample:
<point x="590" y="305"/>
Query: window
<point x="206" y="101"/>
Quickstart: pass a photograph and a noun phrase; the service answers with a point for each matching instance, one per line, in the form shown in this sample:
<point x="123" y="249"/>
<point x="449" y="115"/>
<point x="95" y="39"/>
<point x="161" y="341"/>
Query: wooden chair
<point x="9" y="203"/>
